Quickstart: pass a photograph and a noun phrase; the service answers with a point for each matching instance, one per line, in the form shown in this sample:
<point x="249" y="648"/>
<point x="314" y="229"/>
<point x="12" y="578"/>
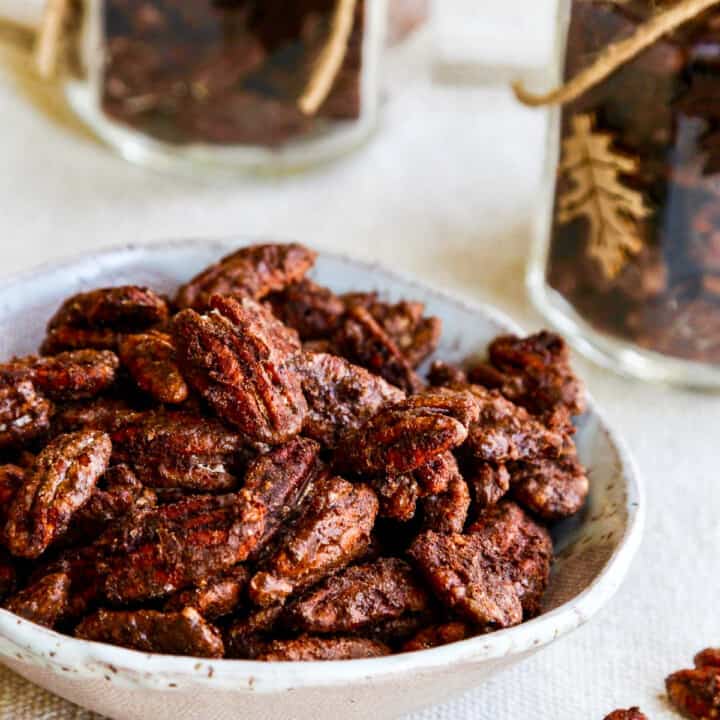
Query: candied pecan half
<point x="253" y="272"/>
<point x="332" y="530"/>
<point x="552" y="488"/>
<point x="248" y="637"/>
<point x="179" y="450"/>
<point x="362" y="340"/>
<point x="409" y="434"/>
<point x="86" y="569"/>
<point x="215" y="598"/>
<point x="695" y="693"/>
<point x="24" y="413"/>
<point x="435" y="476"/>
<point x="415" y="336"/>
<point x="442" y="374"/>
<point x="150" y="360"/>
<point x="448" y="511"/>
<point x="308" y="648"/>
<point x="176" y="546"/>
<point x="239" y="358"/>
<point x="466" y="579"/>
<point x="506" y="431"/>
<point x="59" y="483"/>
<point x="311" y="309"/>
<point x="521" y="547"/>
<point x="94" y="319"/>
<point x="489" y="483"/>
<point x="437" y="635"/>
<point x="710" y="657"/>
<point x="340" y="396"/>
<point x="632" y="713"/>
<point x="359" y="597"/>
<point x="43" y="602"/>
<point x="533" y="372"/>
<point x="280" y="478"/>
<point x="398" y="496"/>
<point x="11" y="480"/>
<point x="75" y="375"/>
<point x="106" y="414"/>
<point x="173" y="633"/>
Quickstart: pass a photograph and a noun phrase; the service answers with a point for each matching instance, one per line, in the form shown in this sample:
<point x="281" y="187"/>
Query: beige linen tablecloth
<point x="445" y="191"/>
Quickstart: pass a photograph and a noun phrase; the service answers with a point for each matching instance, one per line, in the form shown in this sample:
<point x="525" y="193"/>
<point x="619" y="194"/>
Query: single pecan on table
<point x="632" y="713"/>
<point x="696" y="693"/>
<point x="265" y="475"/>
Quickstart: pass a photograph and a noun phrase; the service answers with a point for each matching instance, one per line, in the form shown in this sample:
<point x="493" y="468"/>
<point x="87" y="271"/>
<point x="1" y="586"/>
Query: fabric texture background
<point x="445" y="191"/>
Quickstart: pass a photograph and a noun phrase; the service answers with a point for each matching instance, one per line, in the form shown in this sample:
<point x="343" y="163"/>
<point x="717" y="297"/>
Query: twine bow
<point x="615" y="55"/>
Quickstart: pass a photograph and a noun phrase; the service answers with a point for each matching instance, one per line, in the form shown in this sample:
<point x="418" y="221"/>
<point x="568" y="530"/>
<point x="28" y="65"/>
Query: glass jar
<point x="252" y="84"/>
<point x="626" y="254"/>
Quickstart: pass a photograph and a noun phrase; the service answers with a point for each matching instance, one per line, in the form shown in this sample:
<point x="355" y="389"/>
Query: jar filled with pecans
<point x="249" y="84"/>
<point x="626" y="257"/>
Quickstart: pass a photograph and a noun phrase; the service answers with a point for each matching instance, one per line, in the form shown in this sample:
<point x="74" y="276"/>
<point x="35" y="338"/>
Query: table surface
<point x="444" y="191"/>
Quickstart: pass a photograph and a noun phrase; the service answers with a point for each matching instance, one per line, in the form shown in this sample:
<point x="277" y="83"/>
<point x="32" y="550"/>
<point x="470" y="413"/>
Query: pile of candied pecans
<point x="257" y="470"/>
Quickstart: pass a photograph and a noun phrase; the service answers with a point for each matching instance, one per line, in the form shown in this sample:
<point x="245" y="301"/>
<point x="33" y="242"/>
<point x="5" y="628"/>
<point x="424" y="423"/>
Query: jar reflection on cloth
<point x="626" y="259"/>
<point x="225" y="82"/>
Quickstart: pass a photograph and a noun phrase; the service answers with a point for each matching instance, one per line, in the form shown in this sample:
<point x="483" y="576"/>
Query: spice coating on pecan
<point x="178" y="449"/>
<point x="94" y="319"/>
<point x="696" y="693"/>
<point x="279" y="480"/>
<point x="11" y="480"/>
<point x="489" y="483"/>
<point x="107" y="414"/>
<point x="252" y="272"/>
<point x="8" y="575"/>
<point x="24" y="413"/>
<point x="75" y="375"/>
<point x="437" y="635"/>
<point x="552" y="488"/>
<point x="408" y="434"/>
<point x="398" y="496"/>
<point x="359" y="597"/>
<point x="215" y="598"/>
<point x="306" y="648"/>
<point x="362" y="340"/>
<point x="58" y="484"/>
<point x="340" y="396"/>
<point x="43" y="602"/>
<point x="150" y="360"/>
<point x="507" y="432"/>
<point x="238" y="358"/>
<point x="632" y="713"/>
<point x="466" y="579"/>
<point x="176" y="546"/>
<point x="333" y="530"/>
<point x="521" y="547"/>
<point x="447" y="512"/>
<point x="248" y="637"/>
<point x="173" y="633"/>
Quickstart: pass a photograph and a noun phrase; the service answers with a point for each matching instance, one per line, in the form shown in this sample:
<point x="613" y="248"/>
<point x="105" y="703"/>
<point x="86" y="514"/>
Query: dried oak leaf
<point x="150" y="360"/>
<point x="307" y="648"/>
<point x="43" y="602"/>
<point x="360" y="597"/>
<point x="57" y="486"/>
<point x="173" y="633"/>
<point x="362" y="340"/>
<point x="340" y="396"/>
<point x="24" y="413"/>
<point x="332" y="530"/>
<point x="612" y="209"/>
<point x="94" y="319"/>
<point x="75" y="375"/>
<point x="215" y="598"/>
<point x="409" y="434"/>
<point x="173" y="547"/>
<point x="437" y="635"/>
<point x="179" y="450"/>
<point x="240" y="359"/>
<point x="253" y="272"/>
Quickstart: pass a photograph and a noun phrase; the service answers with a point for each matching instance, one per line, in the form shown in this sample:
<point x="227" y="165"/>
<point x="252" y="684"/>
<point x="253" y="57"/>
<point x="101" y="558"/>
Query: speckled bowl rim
<point x="65" y="654"/>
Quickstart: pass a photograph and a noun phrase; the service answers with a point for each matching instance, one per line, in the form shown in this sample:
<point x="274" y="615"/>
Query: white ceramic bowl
<point x="594" y="550"/>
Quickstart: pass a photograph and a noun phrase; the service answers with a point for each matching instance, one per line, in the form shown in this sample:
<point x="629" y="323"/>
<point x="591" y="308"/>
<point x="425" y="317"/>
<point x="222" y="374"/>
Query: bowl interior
<point x="605" y="533"/>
